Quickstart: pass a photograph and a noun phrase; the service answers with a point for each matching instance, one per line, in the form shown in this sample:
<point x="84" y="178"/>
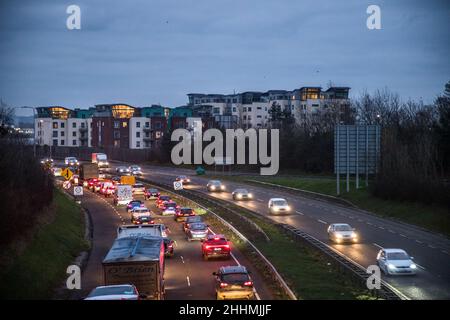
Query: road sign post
<point x="67" y="173"/>
<point x="356" y="151"/>
<point x="178" y="185"/>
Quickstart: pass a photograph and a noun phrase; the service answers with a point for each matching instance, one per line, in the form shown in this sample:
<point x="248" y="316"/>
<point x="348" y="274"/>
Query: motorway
<point x="431" y="252"/>
<point x="187" y="275"/>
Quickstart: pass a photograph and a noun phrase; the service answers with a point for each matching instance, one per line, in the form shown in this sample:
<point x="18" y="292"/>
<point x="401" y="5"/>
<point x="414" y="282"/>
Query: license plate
<point x="217" y="249"/>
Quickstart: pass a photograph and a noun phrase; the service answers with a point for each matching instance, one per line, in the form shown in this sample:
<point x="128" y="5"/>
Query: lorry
<point x="146" y="230"/>
<point x="138" y="261"/>
<point x="87" y="171"/>
<point x="100" y="159"/>
<point x="123" y="194"/>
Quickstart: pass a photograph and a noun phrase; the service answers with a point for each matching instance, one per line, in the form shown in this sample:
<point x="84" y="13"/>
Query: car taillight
<point x="248" y="283"/>
<point x="227" y="246"/>
<point x="170" y="245"/>
<point x="223" y="284"/>
<point x="207" y="247"/>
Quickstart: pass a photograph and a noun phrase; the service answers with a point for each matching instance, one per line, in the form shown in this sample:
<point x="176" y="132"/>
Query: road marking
<point x="381" y="228"/>
<point x="260" y="200"/>
<point x="377" y="245"/>
<point x="321" y="221"/>
<point x="418" y="241"/>
<point x="351" y="217"/>
<point x="299" y="213"/>
<point x="445" y="252"/>
<point x="391" y="231"/>
<point x="182" y="259"/>
<point x="431" y="246"/>
<point x="402" y="235"/>
<point x="420" y="267"/>
<point x="188" y="281"/>
<point x="370" y="223"/>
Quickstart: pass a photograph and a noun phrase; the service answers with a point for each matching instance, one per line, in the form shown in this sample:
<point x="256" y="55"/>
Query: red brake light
<point x="248" y="283"/>
<point x="227" y="246"/>
<point x="216" y="238"/>
<point x="207" y="247"/>
<point x="223" y="284"/>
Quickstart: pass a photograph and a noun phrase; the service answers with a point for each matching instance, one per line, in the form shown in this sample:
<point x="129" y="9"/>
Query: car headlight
<point x="213" y="188"/>
<point x="275" y="208"/>
<point x="338" y="235"/>
<point x="413" y="266"/>
<point x="222" y="187"/>
<point x="391" y="266"/>
<point x="354" y="235"/>
<point x="250" y="195"/>
<point x="288" y="208"/>
<point x="239" y="196"/>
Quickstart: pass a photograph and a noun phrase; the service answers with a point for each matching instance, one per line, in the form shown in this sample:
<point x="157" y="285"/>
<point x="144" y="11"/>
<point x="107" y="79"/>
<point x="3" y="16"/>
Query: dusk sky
<point x="149" y="52"/>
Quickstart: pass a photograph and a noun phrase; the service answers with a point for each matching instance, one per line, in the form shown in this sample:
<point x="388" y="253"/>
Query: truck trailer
<point x="138" y="261"/>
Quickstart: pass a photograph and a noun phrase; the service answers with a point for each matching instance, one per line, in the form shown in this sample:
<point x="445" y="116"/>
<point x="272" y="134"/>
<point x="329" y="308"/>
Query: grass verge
<point x="42" y="265"/>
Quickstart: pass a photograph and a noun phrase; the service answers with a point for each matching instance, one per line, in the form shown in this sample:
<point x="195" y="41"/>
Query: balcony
<point x="83" y="138"/>
<point x="147" y="129"/>
<point x="81" y="129"/>
<point x="148" y="138"/>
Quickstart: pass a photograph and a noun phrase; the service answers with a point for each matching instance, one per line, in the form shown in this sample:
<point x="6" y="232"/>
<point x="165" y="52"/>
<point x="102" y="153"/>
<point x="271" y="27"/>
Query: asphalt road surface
<point x="431" y="252"/>
<point x="187" y="275"/>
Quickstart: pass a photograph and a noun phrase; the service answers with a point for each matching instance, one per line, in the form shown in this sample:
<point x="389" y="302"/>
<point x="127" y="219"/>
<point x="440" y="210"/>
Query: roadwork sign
<point x="67" y="174"/>
<point x="67" y="185"/>
<point x="178" y="185"/>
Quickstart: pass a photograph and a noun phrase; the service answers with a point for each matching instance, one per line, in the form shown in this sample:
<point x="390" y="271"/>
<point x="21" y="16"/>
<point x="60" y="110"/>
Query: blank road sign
<point x="178" y="185"/>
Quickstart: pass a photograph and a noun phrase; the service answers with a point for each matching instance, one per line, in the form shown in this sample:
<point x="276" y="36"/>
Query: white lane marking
<point x="182" y="259"/>
<point x="377" y="245"/>
<point x="298" y="212"/>
<point x="431" y="246"/>
<point x="444" y="252"/>
<point x="391" y="231"/>
<point x="381" y="228"/>
<point x="420" y="267"/>
<point x="188" y="281"/>
<point x="370" y="223"/>
<point x="402" y="235"/>
<point x="321" y="221"/>
<point x="260" y="200"/>
<point x="418" y="241"/>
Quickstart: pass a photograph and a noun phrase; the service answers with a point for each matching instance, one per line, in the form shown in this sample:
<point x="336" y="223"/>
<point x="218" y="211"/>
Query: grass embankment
<point x="307" y="272"/>
<point x="431" y="217"/>
<point x="42" y="265"/>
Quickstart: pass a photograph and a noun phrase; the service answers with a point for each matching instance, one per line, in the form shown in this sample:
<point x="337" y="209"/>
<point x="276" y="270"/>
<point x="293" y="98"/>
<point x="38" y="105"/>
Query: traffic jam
<point x="148" y="237"/>
<point x="144" y="242"/>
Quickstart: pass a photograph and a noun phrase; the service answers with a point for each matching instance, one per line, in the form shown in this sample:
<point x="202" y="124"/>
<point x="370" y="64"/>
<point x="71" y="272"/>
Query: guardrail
<point x="273" y="270"/>
<point x="386" y="291"/>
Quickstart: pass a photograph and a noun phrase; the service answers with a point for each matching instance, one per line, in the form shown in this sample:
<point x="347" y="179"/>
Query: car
<point x="197" y="231"/>
<point x="241" y="194"/>
<point x="216" y="245"/>
<point x="90" y="183"/>
<point x="168" y="247"/>
<point x="341" y="233"/>
<point x="56" y="171"/>
<point x="138" y="189"/>
<point x="97" y="186"/>
<point x="151" y="193"/>
<point x="189" y="220"/>
<point x="278" y="206"/>
<point x="215" y="186"/>
<point x="115" y="180"/>
<point x="115" y="292"/>
<point x="134" y="204"/>
<point x="48" y="162"/>
<point x="233" y="282"/>
<point x="135" y="170"/>
<point x="162" y="200"/>
<point x="169" y="208"/>
<point x="123" y="171"/>
<point x="107" y="188"/>
<point x="396" y="262"/>
<point x="141" y="215"/>
<point x="183" y="179"/>
<point x="71" y="161"/>
<point x="183" y="213"/>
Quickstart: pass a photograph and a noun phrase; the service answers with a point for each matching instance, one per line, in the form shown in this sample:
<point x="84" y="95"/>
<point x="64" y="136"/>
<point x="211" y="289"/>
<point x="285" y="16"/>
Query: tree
<point x="6" y="118"/>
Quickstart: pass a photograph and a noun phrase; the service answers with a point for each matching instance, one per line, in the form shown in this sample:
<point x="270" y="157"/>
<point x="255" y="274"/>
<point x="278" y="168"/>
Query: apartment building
<point x="60" y="126"/>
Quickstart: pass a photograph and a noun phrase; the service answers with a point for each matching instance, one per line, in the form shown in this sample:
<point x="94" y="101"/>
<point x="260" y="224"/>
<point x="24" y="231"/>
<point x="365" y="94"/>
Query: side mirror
<point x="412" y="258"/>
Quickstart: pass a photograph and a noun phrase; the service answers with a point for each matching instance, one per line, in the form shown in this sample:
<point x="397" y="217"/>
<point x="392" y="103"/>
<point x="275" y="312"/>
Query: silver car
<point x="197" y="231"/>
<point x="215" y="186"/>
<point x="278" y="206"/>
<point x="241" y="194"/>
<point x="115" y="292"/>
<point x="342" y="232"/>
<point x="396" y="262"/>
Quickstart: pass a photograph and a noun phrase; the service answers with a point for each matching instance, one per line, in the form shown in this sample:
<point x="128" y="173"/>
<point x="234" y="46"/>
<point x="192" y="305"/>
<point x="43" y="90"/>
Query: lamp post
<point x="34" y="126"/>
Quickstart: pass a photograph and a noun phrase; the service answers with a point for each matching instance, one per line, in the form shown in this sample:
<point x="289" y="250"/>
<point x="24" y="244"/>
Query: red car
<point x="90" y="183"/>
<point x="216" y="245"/>
<point x="107" y="189"/>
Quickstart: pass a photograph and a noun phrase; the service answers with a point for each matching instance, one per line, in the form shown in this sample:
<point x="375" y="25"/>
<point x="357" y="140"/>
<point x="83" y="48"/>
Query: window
<point x="74" y="142"/>
<point x="138" y="134"/>
<point x="74" y="124"/>
<point x="249" y="117"/>
<point x="158" y="125"/>
<point x="55" y="142"/>
<point x="147" y="134"/>
<point x="116" y="134"/>
<point x="55" y="134"/>
<point x="116" y="143"/>
<point x="74" y="134"/>
<point x="259" y="108"/>
<point x="82" y="124"/>
<point x="55" y="125"/>
<point x="116" y="124"/>
<point x="244" y="109"/>
<point x="244" y="117"/>
<point x="249" y="109"/>
<point x="147" y="124"/>
<point x="259" y="117"/>
<point x="146" y="144"/>
<point x="91" y="125"/>
<point x="124" y="124"/>
<point x="138" y="124"/>
<point x="216" y="110"/>
<point x="234" y="109"/>
<point x="138" y="144"/>
<point x="62" y="125"/>
<point x="62" y="133"/>
<point x="62" y="142"/>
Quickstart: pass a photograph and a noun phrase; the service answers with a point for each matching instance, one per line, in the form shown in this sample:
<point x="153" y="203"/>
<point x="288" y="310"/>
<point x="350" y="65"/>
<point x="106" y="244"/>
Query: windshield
<point x="171" y="205"/>
<point x="113" y="290"/>
<point x="280" y="203"/>
<point x="164" y="198"/>
<point x="138" y="186"/>
<point x="198" y="226"/>
<point x="241" y="191"/>
<point x="215" y="182"/>
<point x="343" y="227"/>
<point x="186" y="211"/>
<point x="101" y="157"/>
<point x="397" y="256"/>
<point x="235" y="277"/>
<point x="194" y="219"/>
<point x="153" y="190"/>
